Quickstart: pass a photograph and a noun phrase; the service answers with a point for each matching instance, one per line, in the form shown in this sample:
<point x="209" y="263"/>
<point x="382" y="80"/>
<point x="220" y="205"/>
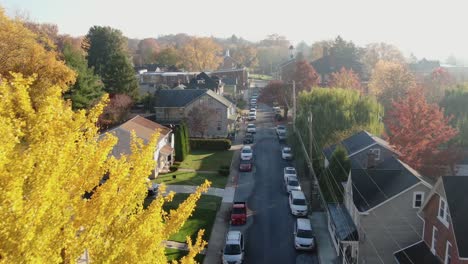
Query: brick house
<point x="173" y="107"/>
<point x="359" y="146"/>
<point x="145" y="129"/>
<point x="445" y="234"/>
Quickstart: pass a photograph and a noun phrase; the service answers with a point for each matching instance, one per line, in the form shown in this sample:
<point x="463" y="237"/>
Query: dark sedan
<point x="249" y="138"/>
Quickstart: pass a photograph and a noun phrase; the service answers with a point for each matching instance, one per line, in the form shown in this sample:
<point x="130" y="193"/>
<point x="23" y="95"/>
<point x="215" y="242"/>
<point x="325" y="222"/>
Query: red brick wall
<point x="444" y="234"/>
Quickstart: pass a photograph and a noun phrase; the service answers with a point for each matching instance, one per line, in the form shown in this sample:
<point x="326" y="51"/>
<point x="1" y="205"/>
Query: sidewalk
<point x="326" y="250"/>
<point x="221" y="224"/>
<point x="191" y="189"/>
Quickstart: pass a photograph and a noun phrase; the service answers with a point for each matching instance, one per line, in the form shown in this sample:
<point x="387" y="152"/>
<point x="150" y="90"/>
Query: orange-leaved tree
<point x="419" y="130"/>
<point x="346" y="79"/>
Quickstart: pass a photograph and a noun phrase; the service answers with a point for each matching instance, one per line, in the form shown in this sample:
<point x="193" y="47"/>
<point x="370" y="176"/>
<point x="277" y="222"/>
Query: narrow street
<point x="269" y="231"/>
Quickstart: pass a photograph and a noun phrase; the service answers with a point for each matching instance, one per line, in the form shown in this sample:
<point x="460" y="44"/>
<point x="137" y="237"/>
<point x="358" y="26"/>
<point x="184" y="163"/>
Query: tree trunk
<point x="286" y="110"/>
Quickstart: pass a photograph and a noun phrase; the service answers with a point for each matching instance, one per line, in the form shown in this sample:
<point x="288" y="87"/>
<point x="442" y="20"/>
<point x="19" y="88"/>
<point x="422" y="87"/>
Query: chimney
<point x="371" y="160"/>
<point x="291" y="52"/>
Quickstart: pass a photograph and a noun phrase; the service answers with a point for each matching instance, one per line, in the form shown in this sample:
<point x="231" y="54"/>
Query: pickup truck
<point x="239" y="213"/>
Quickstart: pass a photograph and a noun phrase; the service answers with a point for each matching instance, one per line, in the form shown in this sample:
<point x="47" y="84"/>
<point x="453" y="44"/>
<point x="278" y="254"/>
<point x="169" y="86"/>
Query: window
<point x="219" y="125"/>
<point x="443" y="211"/>
<point x="418" y="198"/>
<point x="434" y="240"/>
<point x="448" y="257"/>
<point x="376" y="153"/>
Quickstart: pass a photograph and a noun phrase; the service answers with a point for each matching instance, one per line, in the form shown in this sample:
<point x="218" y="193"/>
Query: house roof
<point x="181" y="98"/>
<point x="143" y="129"/>
<point x="417" y="253"/>
<point x="357" y="142"/>
<point x="345" y="229"/>
<point x="374" y="186"/>
<point x="208" y="82"/>
<point x="177" y="98"/>
<point x="457" y="200"/>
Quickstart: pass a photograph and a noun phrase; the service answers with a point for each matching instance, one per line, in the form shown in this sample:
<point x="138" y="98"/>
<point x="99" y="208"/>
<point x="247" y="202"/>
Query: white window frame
<point x="434" y="240"/>
<point x="414" y="199"/>
<point x="448" y="247"/>
<point x="444" y="218"/>
<point x="376" y="152"/>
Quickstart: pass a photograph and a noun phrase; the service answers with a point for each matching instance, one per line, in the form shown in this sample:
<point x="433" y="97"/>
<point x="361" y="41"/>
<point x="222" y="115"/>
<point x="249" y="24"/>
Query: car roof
<point x="287" y="148"/>
<point x="233" y="235"/>
<point x="247" y="147"/>
<point x="297" y="195"/>
<point x="281" y="126"/>
<point x="289" y="168"/>
<point x="292" y="178"/>
<point x="303" y="224"/>
<point x="251" y="125"/>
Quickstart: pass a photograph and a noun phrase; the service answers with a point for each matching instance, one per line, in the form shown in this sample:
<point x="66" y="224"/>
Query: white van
<point x="297" y="203"/>
<point x="303" y="236"/>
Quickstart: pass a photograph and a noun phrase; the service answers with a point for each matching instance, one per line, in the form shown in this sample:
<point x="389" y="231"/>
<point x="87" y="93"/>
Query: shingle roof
<point x="177" y="98"/>
<point x="372" y="187"/>
<point x="415" y="254"/>
<point x="456" y="193"/>
<point x="143" y="128"/>
<point x="352" y="144"/>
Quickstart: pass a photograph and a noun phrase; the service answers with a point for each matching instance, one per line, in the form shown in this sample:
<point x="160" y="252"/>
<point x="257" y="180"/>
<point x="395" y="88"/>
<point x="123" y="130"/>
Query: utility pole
<point x="313" y="183"/>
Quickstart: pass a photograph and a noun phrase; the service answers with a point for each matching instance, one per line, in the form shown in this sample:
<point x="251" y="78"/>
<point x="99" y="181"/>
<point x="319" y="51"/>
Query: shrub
<point x="174" y="168"/>
<point x="223" y="171"/>
<point x="210" y="144"/>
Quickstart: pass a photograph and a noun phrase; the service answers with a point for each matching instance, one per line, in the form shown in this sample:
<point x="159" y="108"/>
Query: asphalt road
<point x="269" y="230"/>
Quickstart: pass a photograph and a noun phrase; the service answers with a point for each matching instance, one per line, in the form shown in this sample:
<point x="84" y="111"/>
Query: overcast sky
<point x="427" y="28"/>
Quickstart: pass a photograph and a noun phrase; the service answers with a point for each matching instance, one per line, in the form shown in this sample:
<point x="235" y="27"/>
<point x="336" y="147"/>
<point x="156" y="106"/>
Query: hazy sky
<point x="428" y="28"/>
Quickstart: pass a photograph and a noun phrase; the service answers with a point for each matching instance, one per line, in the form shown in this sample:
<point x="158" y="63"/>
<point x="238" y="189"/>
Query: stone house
<point x="174" y="106"/>
<point x="445" y="235"/>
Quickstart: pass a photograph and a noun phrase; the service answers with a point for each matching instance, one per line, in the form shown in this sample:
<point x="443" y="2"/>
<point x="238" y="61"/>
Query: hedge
<point x="210" y="144"/>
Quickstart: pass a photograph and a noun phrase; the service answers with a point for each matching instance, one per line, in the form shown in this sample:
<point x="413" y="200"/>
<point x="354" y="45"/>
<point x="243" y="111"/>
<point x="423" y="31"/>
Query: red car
<point x="239" y="213"/>
<point x="245" y="165"/>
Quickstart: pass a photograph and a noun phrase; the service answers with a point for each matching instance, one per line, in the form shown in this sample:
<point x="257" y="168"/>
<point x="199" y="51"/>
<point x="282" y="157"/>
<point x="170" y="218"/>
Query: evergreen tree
<point x="179" y="149"/>
<point x="336" y="173"/>
<point x="88" y="87"/>
<point x="107" y="53"/>
<point x="186" y="140"/>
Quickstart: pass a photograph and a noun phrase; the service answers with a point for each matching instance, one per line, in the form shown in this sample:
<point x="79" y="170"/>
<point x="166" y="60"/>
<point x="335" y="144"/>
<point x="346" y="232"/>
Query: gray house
<point x="382" y="202"/>
<point x="174" y="106"/>
<point x="360" y="146"/>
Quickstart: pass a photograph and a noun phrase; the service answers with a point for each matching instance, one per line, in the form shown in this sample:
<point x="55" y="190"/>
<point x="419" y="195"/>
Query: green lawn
<point x="261" y="77"/>
<point x="207" y="160"/>
<point x="192" y="178"/>
<point x="175" y="254"/>
<point x="202" y="218"/>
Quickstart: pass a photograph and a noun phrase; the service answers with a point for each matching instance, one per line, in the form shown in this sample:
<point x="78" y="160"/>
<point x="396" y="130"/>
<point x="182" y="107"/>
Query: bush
<point x="223" y="171"/>
<point x="210" y="144"/>
<point x="225" y="167"/>
<point x="174" y="168"/>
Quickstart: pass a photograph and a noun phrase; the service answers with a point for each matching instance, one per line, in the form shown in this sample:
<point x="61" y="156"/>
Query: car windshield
<point x="246" y="151"/>
<point x="281" y="128"/>
<point x="293" y="183"/>
<point x="290" y="171"/>
<point x="305" y="233"/>
<point x="238" y="210"/>
<point x="299" y="202"/>
<point x="245" y="162"/>
<point x="286" y="150"/>
<point x="251" y="126"/>
<point x="230" y="249"/>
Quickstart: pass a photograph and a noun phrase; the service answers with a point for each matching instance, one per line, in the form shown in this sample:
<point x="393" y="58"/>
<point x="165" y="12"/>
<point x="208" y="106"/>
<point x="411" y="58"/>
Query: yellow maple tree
<point x="50" y="157"/>
<point x="201" y="54"/>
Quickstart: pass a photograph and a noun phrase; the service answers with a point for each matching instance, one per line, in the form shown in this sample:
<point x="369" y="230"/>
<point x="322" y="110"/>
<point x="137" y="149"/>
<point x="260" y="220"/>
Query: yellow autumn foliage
<point x="50" y="157"/>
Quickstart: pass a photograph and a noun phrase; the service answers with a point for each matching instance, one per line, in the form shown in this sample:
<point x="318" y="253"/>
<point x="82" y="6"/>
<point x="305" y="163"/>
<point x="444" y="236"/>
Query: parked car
<point x="280" y="128"/>
<point x="303" y="235"/>
<point x="252" y="116"/>
<point x="289" y="171"/>
<point x="234" y="248"/>
<point x="152" y="188"/>
<point x="246" y="153"/>
<point x="251" y="128"/>
<point x="292" y="184"/>
<point x="286" y="153"/>
<point x="276" y="109"/>
<point x="239" y="213"/>
<point x="282" y="136"/>
<point x="248" y="138"/>
<point x="253" y="109"/>
<point x="297" y="203"/>
<point x="245" y="165"/>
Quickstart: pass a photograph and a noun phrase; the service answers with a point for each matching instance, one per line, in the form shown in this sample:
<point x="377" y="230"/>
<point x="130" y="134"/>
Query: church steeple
<point x="227" y="53"/>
